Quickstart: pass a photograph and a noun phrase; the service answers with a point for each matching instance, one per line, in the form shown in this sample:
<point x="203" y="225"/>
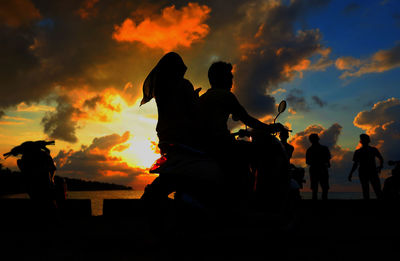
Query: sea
<point x="97" y="197"/>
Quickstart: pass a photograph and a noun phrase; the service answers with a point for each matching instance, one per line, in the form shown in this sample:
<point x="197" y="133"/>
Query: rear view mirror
<point x="282" y="106"/>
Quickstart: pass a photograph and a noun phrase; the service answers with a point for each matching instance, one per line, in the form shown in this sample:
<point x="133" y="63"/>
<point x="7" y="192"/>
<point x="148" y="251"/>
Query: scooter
<point x="197" y="179"/>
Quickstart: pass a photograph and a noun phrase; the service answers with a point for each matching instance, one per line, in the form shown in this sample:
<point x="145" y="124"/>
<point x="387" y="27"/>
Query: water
<point x="97" y="197"/>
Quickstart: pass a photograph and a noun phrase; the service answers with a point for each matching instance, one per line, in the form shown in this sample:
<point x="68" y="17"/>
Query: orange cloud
<point x="300" y="67"/>
<point x="169" y="30"/>
<point x="383" y="126"/>
<point x="18" y="13"/>
<point x="379" y="62"/>
<point x="33" y="108"/>
<point x="9" y="120"/>
<point x="101" y="161"/>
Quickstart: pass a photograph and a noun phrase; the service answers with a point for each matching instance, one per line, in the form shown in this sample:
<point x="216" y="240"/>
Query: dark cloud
<point x="272" y="51"/>
<point x="296" y="101"/>
<point x="91" y="103"/>
<point x="18" y="13"/>
<point x="351" y="8"/>
<point x="382" y="123"/>
<point x="70" y="47"/>
<point x="60" y="124"/>
<point x="318" y="101"/>
<point x="94" y="162"/>
<point x="2" y="113"/>
<point x="64" y="51"/>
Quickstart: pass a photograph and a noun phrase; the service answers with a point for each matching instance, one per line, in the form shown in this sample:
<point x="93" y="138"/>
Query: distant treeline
<point x="80" y="185"/>
<point x="13" y="182"/>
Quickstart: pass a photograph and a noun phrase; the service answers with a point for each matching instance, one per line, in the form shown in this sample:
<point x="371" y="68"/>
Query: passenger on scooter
<point x="216" y="105"/>
<point x="176" y="100"/>
<point x="177" y="103"/>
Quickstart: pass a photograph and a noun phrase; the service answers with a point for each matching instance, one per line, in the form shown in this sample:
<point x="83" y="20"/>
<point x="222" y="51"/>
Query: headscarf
<point x="170" y="68"/>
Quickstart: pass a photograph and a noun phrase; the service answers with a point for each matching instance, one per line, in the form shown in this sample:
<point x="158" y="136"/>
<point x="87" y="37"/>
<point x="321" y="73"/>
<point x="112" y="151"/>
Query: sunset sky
<point x="72" y="71"/>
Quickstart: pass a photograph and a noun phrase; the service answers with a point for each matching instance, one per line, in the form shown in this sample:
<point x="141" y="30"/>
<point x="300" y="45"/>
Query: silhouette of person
<point x="177" y="103"/>
<point x="391" y="186"/>
<point x="176" y="100"/>
<point x="216" y="105"/>
<point x="284" y="136"/>
<point x="318" y="158"/>
<point x="364" y="159"/>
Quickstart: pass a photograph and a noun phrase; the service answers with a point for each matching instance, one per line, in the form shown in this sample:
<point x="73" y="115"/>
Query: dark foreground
<point x="332" y="230"/>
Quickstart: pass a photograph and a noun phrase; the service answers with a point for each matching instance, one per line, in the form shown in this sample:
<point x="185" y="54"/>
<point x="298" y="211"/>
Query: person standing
<point x="364" y="159"/>
<point x="318" y="158"/>
<point x="284" y="136"/>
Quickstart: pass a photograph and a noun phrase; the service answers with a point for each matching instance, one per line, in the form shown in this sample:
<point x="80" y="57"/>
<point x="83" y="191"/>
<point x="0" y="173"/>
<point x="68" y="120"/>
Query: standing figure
<point x="364" y="159"/>
<point x="318" y="158"/>
<point x="283" y="136"/>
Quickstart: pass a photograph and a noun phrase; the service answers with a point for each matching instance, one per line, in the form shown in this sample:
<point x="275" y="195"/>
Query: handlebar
<point x="246" y="133"/>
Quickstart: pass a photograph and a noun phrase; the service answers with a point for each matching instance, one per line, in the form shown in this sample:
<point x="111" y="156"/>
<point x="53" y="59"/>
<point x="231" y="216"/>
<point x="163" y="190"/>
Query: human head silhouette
<point x="220" y="75"/>
<point x="166" y="74"/>
<point x="171" y="65"/>
<point x="364" y="139"/>
<point x="284" y="135"/>
<point x="314" y="138"/>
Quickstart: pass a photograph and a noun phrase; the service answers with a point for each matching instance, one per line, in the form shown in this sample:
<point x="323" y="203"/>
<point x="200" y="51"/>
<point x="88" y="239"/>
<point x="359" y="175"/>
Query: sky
<point x="72" y="71"/>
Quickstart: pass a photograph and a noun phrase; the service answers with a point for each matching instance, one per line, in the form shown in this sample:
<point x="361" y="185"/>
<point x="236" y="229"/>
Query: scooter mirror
<point x="282" y="106"/>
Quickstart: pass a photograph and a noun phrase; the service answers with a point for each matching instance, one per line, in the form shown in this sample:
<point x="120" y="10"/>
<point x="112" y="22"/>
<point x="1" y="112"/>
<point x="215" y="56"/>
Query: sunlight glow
<point x="140" y="153"/>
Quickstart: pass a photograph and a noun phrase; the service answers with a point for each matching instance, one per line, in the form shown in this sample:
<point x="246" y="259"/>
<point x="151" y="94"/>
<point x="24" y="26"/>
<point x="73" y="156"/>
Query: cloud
<point x="18" y="13"/>
<point x="323" y="62"/>
<point x="171" y="29"/>
<point x="341" y="160"/>
<point x="23" y="107"/>
<point x="62" y="51"/>
<point x="69" y="53"/>
<point x="383" y="125"/>
<point x="318" y="101"/>
<point x="347" y="63"/>
<point x="60" y="124"/>
<point x="272" y="52"/>
<point x="296" y="100"/>
<point x="95" y="162"/>
<point x="379" y="62"/>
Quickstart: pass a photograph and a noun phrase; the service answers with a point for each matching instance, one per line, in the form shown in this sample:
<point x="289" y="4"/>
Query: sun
<point x="139" y="154"/>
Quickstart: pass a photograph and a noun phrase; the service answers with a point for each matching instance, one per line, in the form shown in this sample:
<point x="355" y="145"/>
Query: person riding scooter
<point x="216" y="105"/>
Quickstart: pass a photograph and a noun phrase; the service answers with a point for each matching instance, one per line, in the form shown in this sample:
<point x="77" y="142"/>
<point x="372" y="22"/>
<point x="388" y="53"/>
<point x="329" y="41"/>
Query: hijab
<point x="166" y="74"/>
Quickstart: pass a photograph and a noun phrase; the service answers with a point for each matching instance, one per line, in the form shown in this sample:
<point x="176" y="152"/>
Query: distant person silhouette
<point x="177" y="104"/>
<point x="364" y="159"/>
<point x="391" y="186"/>
<point x="284" y="136"/>
<point x="318" y="158"/>
<point x="38" y="167"/>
